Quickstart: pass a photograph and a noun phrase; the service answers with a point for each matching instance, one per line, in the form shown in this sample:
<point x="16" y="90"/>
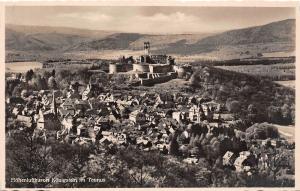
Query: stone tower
<point x="147" y="48"/>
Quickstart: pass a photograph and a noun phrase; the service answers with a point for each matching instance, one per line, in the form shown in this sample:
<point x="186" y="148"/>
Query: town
<point x="180" y="124"/>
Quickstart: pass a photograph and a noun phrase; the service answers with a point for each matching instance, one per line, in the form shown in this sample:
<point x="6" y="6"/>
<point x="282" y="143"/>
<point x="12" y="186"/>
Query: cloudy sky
<point x="148" y="19"/>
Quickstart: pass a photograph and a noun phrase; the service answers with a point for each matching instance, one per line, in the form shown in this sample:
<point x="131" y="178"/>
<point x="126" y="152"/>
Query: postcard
<point x="159" y="95"/>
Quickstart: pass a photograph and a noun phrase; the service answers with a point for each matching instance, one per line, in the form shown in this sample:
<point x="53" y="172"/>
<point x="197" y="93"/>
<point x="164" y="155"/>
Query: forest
<point x="251" y="98"/>
<point x="129" y="166"/>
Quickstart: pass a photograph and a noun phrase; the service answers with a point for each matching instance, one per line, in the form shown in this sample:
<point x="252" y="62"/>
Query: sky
<point x="145" y="19"/>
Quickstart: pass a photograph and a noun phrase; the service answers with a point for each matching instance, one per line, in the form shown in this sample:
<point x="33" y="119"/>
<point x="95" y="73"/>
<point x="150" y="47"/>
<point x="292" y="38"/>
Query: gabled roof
<point x="68" y="102"/>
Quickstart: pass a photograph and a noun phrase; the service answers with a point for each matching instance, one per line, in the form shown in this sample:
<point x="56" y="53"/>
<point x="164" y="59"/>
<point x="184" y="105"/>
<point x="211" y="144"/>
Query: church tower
<point x="53" y="105"/>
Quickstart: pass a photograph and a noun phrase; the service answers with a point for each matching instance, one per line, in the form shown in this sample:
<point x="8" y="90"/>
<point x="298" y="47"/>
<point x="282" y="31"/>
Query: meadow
<point x="275" y="72"/>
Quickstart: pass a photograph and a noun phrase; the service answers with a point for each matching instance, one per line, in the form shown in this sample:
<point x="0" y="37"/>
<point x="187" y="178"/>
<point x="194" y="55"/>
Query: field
<point x="171" y="85"/>
<point x="287" y="132"/>
<point x="275" y="72"/>
<point x="21" y="67"/>
<point x="289" y="83"/>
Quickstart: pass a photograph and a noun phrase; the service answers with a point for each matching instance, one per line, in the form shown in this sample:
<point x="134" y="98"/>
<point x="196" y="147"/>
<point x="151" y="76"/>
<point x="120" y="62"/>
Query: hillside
<point x="272" y="34"/>
<point x="273" y="37"/>
<point x="244" y="94"/>
<point x="281" y="31"/>
<point x="42" y="38"/>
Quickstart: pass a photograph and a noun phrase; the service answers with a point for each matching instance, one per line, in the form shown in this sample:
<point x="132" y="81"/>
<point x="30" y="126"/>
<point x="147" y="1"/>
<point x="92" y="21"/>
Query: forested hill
<point x="275" y="36"/>
<point x="249" y="97"/>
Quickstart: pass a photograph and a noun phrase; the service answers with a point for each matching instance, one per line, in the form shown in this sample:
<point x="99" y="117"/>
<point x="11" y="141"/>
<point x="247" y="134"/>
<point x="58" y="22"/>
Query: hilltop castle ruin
<point x="149" y="69"/>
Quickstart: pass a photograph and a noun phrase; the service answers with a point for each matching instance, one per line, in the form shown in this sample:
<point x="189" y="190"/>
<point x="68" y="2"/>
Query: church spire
<point x="53" y="104"/>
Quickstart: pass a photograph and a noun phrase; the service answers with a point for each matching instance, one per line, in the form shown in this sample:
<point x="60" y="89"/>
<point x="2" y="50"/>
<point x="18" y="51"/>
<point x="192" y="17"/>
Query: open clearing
<point x="287" y="132"/>
<point x="289" y="83"/>
<point x="174" y="84"/>
<point x="273" y="70"/>
<point x="21" y="67"/>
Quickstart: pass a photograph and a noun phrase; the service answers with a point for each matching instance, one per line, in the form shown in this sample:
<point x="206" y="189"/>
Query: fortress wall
<point x="158" y="80"/>
<point x="116" y="68"/>
<point x="161" y="68"/>
<point x="141" y="67"/>
<point x="113" y="69"/>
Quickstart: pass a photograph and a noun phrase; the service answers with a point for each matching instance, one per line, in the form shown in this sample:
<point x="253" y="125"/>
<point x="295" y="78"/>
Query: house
<point x="245" y="161"/>
<point x="107" y="133"/>
<point x="73" y="94"/>
<point x="48" y="121"/>
<point x="16" y="111"/>
<point x="105" y="141"/>
<point x="164" y="138"/>
<point x="103" y="122"/>
<point x="228" y="158"/>
<point x="64" y="112"/>
<point x="46" y="101"/>
<point x="163" y="146"/>
<point x="91" y="134"/>
<point x="276" y="143"/>
<point x="82" y="104"/>
<point x="105" y="111"/>
<point x="82" y="140"/>
<point x="227" y="117"/>
<point x="266" y="142"/>
<point x="208" y="112"/>
<point x="122" y="138"/>
<point x="67" y="122"/>
<point x="179" y="116"/>
<point x="213" y="106"/>
<point x="196" y="114"/>
<point x="25" y="120"/>
<point x="15" y="100"/>
<point x="263" y="161"/>
<point x="171" y="130"/>
<point x="68" y="104"/>
<point x="190" y="160"/>
<point x="81" y="130"/>
<point x="216" y="117"/>
<point x="137" y="117"/>
<point x="212" y="125"/>
<point x="238" y="163"/>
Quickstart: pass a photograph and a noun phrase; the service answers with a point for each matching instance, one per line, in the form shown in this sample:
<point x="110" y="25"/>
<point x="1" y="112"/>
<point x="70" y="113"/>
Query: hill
<point x="245" y="95"/>
<point x="272" y="34"/>
<point x="273" y="37"/>
<point x="44" y="38"/>
<point x="281" y="31"/>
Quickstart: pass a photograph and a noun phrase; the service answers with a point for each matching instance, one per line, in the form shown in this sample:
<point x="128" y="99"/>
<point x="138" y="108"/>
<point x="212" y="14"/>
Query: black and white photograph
<point x="149" y="96"/>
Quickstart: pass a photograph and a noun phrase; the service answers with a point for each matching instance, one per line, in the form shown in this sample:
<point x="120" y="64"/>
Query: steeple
<point x="53" y="104"/>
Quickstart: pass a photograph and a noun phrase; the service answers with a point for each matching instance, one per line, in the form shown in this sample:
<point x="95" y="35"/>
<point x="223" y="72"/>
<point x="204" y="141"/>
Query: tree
<point x="29" y="75"/>
<point x="39" y="82"/>
<point x="293" y="113"/>
<point x="274" y="114"/>
<point x="17" y="91"/>
<point x="52" y="83"/>
<point x="252" y="109"/>
<point x="286" y="113"/>
<point x="19" y="76"/>
<point x="233" y="106"/>
<point x="53" y="73"/>
<point x="174" y="146"/>
<point x="24" y="93"/>
<point x="278" y="159"/>
<point x="27" y="158"/>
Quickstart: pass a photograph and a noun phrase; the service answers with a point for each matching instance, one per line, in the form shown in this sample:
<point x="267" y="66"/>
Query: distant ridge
<point x="64" y="39"/>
